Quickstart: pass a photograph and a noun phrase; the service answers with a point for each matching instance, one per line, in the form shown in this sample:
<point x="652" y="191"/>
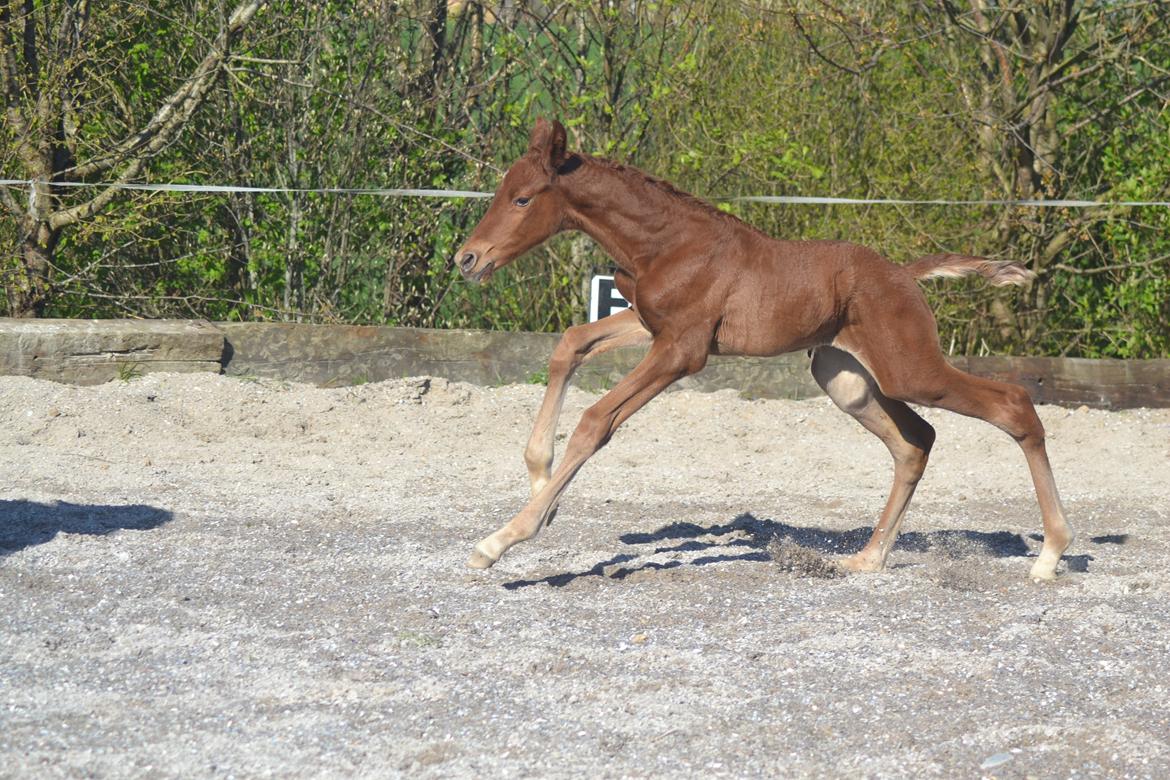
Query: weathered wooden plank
<point x="341" y="355"/>
<point x="338" y="354"/>
<point x="1116" y="384"/>
<point x="344" y="355"/>
<point x="90" y="351"/>
<point x="87" y="352"/>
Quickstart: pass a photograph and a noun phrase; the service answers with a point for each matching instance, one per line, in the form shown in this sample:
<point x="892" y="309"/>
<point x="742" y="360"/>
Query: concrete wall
<point x="92" y="351"/>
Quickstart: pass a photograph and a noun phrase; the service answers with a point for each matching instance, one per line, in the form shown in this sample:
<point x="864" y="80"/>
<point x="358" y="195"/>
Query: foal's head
<point x="527" y="208"/>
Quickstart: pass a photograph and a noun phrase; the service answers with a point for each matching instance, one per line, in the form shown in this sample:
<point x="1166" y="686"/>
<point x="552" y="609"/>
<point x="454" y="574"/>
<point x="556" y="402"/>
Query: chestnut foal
<point x="702" y="282"/>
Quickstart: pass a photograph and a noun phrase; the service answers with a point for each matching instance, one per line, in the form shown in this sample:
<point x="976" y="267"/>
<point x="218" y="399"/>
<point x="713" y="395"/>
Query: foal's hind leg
<point x="577" y="345"/>
<point x="907" y="436"/>
<point x="892" y="332"/>
<point x="924" y="377"/>
<point x="1010" y="408"/>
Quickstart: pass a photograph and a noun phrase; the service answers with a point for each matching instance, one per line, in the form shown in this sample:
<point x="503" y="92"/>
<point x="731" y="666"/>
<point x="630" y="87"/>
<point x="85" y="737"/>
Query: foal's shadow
<point x="28" y="523"/>
<point x="748" y="538"/>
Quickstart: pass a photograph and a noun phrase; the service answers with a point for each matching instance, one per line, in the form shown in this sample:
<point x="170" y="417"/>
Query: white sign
<point x="604" y="298"/>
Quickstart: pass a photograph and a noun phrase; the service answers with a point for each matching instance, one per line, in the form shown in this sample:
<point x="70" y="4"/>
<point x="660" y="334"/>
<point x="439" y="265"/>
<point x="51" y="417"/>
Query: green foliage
<point x="127" y="372"/>
<point x="865" y="98"/>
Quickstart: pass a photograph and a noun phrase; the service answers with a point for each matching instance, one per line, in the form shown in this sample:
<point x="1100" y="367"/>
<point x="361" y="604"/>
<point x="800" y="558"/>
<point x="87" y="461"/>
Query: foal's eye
<point x="522" y="202"/>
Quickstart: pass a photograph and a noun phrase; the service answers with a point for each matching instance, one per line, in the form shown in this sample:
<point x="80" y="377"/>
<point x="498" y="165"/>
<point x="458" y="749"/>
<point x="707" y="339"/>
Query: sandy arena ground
<point x="204" y="576"/>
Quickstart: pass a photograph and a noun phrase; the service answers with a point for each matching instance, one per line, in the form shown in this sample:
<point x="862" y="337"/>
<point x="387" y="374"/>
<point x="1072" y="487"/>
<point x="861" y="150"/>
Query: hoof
<point x="479" y="560"/>
<point x="1044" y="568"/>
<point x="860" y="563"/>
<point x="1042" y="573"/>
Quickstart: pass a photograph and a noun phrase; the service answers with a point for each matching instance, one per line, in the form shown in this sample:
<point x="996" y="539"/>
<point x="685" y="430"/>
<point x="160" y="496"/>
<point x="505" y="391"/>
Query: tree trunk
<point x="29" y="292"/>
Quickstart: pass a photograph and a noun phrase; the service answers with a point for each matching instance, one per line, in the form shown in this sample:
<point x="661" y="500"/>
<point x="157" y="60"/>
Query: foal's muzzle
<point x="467" y="262"/>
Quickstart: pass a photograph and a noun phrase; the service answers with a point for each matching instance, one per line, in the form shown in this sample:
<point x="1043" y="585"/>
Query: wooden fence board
<point x="90" y="351"/>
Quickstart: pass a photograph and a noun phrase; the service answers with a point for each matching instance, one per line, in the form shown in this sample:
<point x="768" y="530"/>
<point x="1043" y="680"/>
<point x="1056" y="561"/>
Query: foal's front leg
<point x="667" y="361"/>
<point x="579" y="344"/>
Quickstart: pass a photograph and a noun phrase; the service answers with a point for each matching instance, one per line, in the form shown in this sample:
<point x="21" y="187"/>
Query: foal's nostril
<point x="467" y="262"/>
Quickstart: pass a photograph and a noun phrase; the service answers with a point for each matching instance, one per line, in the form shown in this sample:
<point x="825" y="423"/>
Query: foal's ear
<point x="547" y="142"/>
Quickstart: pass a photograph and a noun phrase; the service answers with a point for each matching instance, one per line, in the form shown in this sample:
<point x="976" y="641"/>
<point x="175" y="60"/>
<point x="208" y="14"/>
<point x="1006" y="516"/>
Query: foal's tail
<point x="998" y="272"/>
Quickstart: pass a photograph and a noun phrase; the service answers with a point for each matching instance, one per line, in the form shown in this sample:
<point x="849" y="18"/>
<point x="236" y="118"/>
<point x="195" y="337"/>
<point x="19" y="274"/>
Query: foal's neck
<point x="635" y="217"/>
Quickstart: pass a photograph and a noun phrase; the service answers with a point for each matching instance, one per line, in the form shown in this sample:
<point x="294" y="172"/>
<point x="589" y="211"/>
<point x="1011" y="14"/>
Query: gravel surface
<point x="206" y="576"/>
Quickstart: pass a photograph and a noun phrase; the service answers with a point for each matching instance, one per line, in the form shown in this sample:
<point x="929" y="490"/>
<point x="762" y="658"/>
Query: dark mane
<point x="638" y="176"/>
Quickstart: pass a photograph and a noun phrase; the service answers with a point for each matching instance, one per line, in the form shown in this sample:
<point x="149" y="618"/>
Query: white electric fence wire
<point x="455" y="194"/>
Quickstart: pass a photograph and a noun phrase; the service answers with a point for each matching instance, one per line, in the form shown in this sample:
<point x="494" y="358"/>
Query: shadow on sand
<point x="753" y="536"/>
<point x="27" y="523"/>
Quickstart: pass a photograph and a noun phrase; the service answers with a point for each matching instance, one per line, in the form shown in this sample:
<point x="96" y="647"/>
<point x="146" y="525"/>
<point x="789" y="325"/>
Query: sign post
<point x="604" y="298"/>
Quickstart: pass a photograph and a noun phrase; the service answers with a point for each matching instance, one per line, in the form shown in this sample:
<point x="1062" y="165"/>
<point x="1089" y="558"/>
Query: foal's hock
<point x="702" y="282"/>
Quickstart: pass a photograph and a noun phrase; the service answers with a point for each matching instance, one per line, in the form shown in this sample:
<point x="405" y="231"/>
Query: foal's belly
<point x="730" y="341"/>
<point x="761" y="325"/>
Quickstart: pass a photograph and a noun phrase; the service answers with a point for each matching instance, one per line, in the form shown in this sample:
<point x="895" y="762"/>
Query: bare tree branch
<point x="83" y="211"/>
<point x="177" y="109"/>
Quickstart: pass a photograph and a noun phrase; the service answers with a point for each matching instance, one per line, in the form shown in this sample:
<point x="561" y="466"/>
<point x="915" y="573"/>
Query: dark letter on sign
<point x="604" y="298"/>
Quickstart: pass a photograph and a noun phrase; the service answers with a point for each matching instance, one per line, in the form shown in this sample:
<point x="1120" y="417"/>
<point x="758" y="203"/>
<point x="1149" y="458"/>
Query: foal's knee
<point x="914" y="453"/>
<point x="538" y="458"/>
<point x="923" y="440"/>
<point x="1020" y="418"/>
<point x="567" y="355"/>
<point x="593" y="431"/>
